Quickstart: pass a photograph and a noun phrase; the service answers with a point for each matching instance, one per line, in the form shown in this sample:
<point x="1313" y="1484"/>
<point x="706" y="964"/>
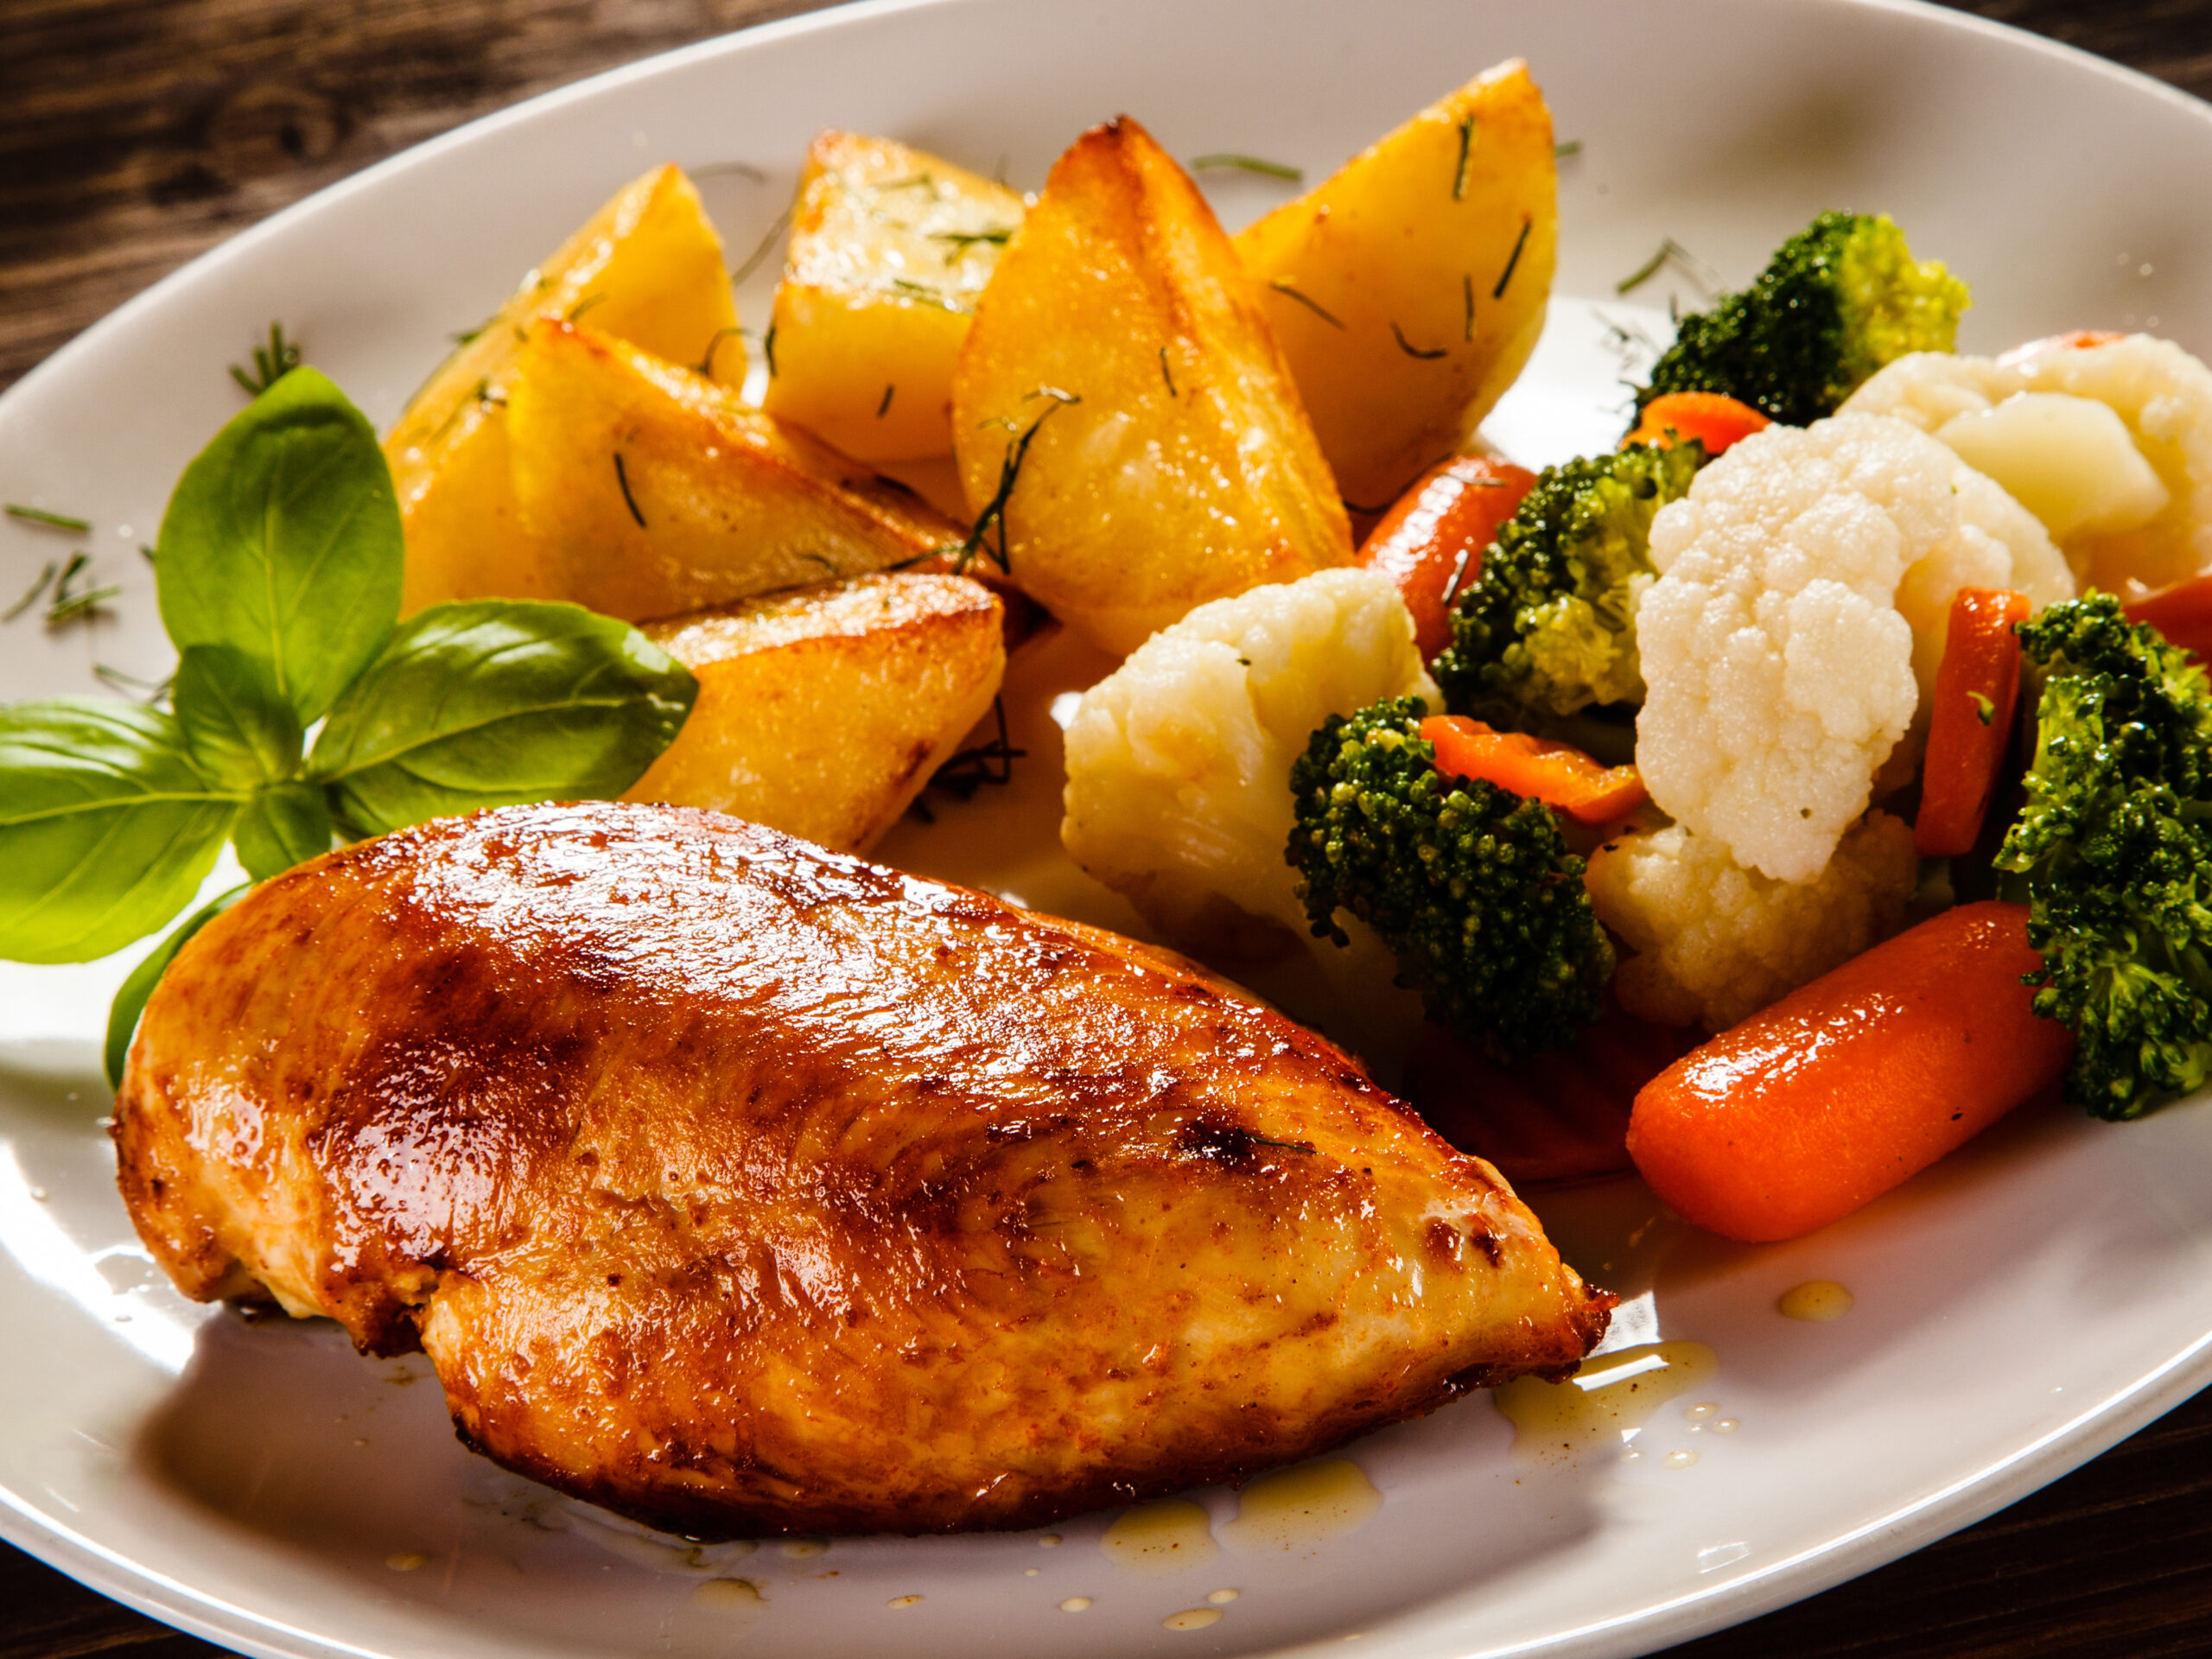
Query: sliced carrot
<point x="1431" y="542"/>
<point x="1970" y="721"/>
<point x="2073" y="340"/>
<point x="1713" y="420"/>
<point x="2181" y="613"/>
<point x="1546" y="1117"/>
<point x="1832" y="1096"/>
<point x="1558" y="774"/>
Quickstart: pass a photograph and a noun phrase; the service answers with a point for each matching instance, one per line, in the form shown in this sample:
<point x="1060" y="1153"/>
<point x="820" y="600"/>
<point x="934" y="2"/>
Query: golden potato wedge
<point x="823" y="712"/>
<point x="1408" y="289"/>
<point x="649" y="489"/>
<point x="1126" y="426"/>
<point x="889" y="248"/>
<point x="646" y="268"/>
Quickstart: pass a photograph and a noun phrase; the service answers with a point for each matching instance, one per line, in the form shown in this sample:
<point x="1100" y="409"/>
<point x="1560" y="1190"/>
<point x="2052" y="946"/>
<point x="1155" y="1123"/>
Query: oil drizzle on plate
<point x="1171" y="1535"/>
<point x="1605" y="1402"/>
<point x="1816" y="1301"/>
<point x="1306" y="1504"/>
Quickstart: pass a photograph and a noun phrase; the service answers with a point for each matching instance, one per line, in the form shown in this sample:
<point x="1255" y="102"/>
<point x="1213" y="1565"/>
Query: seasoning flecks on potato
<point x="1126" y="426"/>
<point x="889" y="249"/>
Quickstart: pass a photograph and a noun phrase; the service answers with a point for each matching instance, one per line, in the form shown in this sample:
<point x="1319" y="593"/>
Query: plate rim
<point x="1898" y="1532"/>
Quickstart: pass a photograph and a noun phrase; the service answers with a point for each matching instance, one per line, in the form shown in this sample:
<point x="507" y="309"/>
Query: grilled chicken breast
<point x="745" y="1187"/>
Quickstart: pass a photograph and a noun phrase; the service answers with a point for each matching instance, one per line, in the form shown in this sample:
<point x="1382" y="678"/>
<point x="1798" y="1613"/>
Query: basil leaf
<point x="491" y="702"/>
<point x="130" y="1001"/>
<point x="284" y="824"/>
<point x="238" y="731"/>
<point x="106" y="827"/>
<point x="283" y="540"/>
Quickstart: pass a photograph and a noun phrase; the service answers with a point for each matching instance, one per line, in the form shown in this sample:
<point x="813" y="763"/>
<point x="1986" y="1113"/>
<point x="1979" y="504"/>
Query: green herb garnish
<point x="993" y="512"/>
<point x="1250" y="164"/>
<point x="1512" y="262"/>
<point x="1307" y="301"/>
<point x="1466" y="148"/>
<point x="31" y="593"/>
<point x="271" y="363"/>
<point x="767" y="242"/>
<point x="54" y="520"/>
<point x="279" y="582"/>
<point x="1412" y="349"/>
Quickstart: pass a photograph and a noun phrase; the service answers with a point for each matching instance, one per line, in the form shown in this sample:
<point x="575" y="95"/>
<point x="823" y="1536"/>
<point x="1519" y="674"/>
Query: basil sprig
<point x="278" y="572"/>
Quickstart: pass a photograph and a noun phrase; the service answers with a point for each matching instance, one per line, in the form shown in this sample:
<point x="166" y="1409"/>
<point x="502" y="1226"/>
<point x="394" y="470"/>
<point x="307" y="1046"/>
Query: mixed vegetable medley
<point x="1771" y="801"/>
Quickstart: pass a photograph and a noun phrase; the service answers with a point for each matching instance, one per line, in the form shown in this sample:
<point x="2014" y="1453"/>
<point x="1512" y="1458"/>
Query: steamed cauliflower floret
<point x="1804" y="586"/>
<point x="1178" y="763"/>
<point x="2110" y="445"/>
<point x="1715" y="943"/>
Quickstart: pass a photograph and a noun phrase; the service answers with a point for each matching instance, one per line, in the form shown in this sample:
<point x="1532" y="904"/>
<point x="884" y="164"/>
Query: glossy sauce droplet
<point x="1816" y="1301"/>
<point x="734" y="1593"/>
<point x="1608" y="1400"/>
<point x="1076" y="1604"/>
<point x="1171" y="1535"/>
<point x="1223" y="1598"/>
<point x="1678" y="1459"/>
<point x="1192" y="1618"/>
<point x="1306" y="1504"/>
<point x="904" y="1601"/>
<point x="406" y="1560"/>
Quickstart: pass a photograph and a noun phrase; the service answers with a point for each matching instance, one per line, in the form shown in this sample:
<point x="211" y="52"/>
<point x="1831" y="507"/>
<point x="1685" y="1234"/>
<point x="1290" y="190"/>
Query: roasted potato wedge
<point x="1125" y="427"/>
<point x="649" y="491"/>
<point x="823" y="712"/>
<point x="889" y="248"/>
<point x="1408" y="289"/>
<point x="646" y="268"/>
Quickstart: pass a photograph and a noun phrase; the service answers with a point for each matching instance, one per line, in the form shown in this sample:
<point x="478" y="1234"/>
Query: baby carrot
<point x="1558" y="774"/>
<point x="1970" y="720"/>
<point x="1713" y="420"/>
<point x="1826" y="1100"/>
<point x="1431" y="542"/>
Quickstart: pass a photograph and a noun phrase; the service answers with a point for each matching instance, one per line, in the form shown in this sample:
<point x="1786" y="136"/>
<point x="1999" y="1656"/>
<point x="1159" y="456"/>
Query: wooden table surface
<point x="134" y="134"/>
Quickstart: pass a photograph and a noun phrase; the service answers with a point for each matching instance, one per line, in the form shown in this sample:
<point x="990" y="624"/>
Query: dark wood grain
<point x="135" y="134"/>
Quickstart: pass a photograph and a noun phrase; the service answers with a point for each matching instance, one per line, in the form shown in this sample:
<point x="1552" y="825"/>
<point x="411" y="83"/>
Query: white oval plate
<point x="2020" y="1307"/>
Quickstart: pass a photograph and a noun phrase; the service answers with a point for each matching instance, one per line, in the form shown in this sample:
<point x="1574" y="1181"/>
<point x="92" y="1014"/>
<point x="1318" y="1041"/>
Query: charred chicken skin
<point x="744" y="1187"/>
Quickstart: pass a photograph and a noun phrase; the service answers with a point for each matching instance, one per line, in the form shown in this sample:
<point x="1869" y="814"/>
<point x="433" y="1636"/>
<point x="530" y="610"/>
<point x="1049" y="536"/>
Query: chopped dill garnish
<point x="934" y="295"/>
<point x="707" y="363"/>
<point x="54" y="520"/>
<point x="1250" y="164"/>
<point x="271" y="363"/>
<point x="993" y="513"/>
<point x="584" y="305"/>
<point x="924" y="179"/>
<point x="622" y="477"/>
<point x="1671" y="252"/>
<point x="68" y="605"/>
<point x="1168" y="374"/>
<point x="467" y="336"/>
<point x="884" y="408"/>
<point x="1513" y="260"/>
<point x="1467" y="292"/>
<point x="1305" y="1147"/>
<point x="150" y="691"/>
<point x="1566" y="150"/>
<point x="716" y="170"/>
<point x="31" y="593"/>
<point x="1412" y="349"/>
<point x="961" y="241"/>
<point x="768" y="349"/>
<point x="967" y="771"/>
<point x="752" y="260"/>
<point x="485" y="395"/>
<point x="1466" y="150"/>
<point x="1310" y="303"/>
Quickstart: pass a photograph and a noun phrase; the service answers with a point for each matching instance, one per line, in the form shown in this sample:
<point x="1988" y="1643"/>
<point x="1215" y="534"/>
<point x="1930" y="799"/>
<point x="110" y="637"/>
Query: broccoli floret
<point x="1471" y="887"/>
<point x="2115" y="847"/>
<point x="1548" y="628"/>
<point x="1839" y="300"/>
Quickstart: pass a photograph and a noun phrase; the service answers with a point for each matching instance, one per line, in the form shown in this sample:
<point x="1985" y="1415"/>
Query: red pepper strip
<point x="1713" y="420"/>
<point x="2181" y="613"/>
<point x="1558" y="774"/>
<point x="1431" y="542"/>
<point x="1547" y="1117"/>
<point x="1971" y="721"/>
